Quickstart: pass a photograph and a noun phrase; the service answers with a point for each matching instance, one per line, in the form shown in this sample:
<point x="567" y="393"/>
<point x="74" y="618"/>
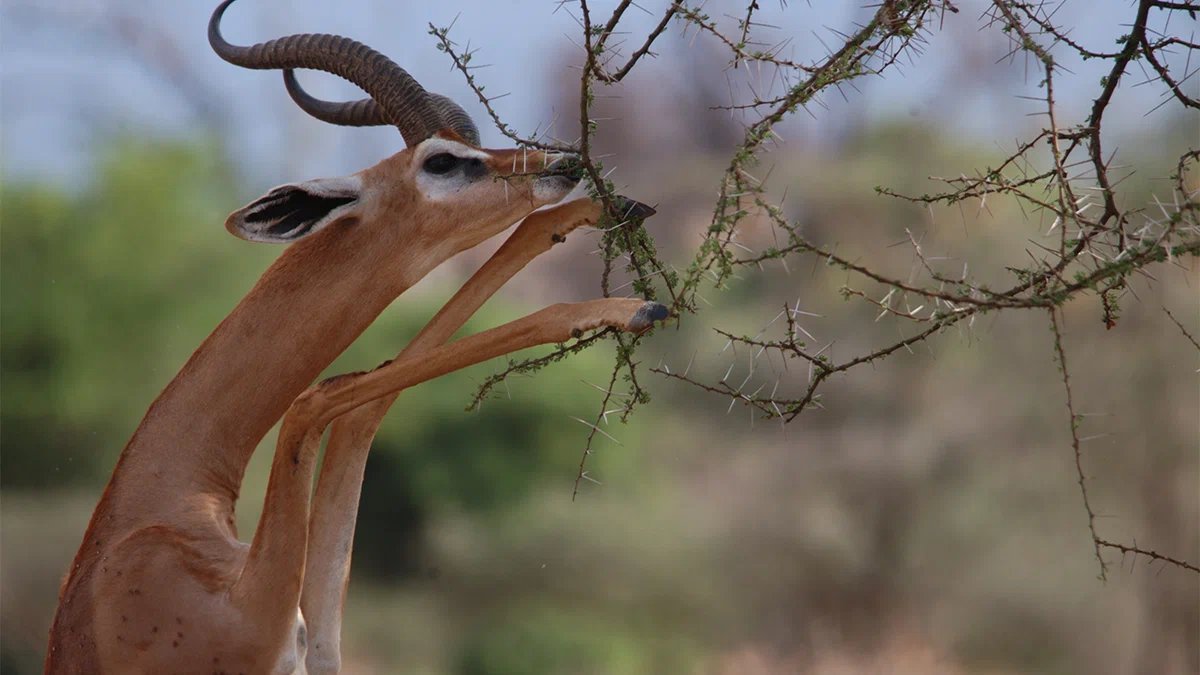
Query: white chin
<point x="551" y="189"/>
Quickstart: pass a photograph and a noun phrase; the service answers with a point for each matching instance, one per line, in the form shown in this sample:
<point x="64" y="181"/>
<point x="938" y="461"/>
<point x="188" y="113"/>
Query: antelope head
<point x="440" y="195"/>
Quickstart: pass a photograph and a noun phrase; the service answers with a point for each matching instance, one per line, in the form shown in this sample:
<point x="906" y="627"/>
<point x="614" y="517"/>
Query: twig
<point x="1061" y="357"/>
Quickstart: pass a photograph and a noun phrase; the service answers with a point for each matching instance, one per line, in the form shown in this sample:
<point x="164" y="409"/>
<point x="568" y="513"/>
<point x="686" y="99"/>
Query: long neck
<point x="198" y="436"/>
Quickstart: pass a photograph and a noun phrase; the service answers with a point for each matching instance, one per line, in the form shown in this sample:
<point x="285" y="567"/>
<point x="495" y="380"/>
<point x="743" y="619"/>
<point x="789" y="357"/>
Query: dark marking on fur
<point x="474" y="168"/>
<point x="335" y="379"/>
<point x="261" y="209"/>
<point x="271" y="207"/>
<point x="291" y="212"/>
<point x="298" y="215"/>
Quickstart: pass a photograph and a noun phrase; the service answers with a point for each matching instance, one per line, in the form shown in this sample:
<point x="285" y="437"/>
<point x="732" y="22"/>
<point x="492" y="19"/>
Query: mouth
<point x="567" y="166"/>
<point x="558" y="179"/>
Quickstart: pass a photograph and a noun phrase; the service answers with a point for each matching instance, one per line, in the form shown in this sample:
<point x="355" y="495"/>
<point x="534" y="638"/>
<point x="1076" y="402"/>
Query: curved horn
<point x="364" y="112"/>
<point x="402" y="99"/>
<point x="367" y="113"/>
<point x="454" y="117"/>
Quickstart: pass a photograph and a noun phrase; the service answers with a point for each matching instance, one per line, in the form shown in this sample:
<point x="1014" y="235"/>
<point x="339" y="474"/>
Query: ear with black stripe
<point x="294" y="211"/>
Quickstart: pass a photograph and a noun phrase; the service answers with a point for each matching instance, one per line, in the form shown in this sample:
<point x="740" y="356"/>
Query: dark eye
<point x="443" y="162"/>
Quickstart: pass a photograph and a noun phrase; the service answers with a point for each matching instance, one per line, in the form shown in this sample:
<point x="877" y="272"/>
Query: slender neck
<point x="198" y="436"/>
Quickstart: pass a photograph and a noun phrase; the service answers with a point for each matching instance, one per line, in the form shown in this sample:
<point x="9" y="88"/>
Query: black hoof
<point x="647" y="315"/>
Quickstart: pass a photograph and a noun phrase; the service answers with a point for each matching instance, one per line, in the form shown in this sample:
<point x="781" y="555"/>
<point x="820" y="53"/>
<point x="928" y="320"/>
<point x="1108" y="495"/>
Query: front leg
<point x="268" y="589"/>
<point x="335" y="506"/>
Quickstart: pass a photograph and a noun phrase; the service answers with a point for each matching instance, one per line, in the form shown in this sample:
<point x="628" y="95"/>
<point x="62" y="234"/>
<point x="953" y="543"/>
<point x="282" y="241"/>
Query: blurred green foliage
<point x="555" y="641"/>
<point x="98" y="289"/>
<point x="431" y="456"/>
<point x="927" y="517"/>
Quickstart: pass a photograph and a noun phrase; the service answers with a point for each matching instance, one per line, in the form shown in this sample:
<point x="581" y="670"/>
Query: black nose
<point x="632" y="209"/>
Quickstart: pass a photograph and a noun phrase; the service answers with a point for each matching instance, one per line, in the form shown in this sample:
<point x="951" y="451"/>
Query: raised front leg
<point x="268" y="589"/>
<point x="335" y="505"/>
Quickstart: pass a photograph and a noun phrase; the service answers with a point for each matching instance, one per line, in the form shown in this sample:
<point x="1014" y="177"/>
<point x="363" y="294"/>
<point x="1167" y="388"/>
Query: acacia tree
<point x="1063" y="177"/>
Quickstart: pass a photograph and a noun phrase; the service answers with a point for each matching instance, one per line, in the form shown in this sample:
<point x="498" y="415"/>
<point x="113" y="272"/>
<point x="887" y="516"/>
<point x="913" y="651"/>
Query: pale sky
<point x="75" y="72"/>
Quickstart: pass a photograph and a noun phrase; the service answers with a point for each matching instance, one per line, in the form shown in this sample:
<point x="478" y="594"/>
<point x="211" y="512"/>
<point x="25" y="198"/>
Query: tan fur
<point x="161" y="583"/>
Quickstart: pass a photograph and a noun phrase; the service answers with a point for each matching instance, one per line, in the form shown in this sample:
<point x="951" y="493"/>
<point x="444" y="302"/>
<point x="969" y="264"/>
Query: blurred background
<point x="925" y="520"/>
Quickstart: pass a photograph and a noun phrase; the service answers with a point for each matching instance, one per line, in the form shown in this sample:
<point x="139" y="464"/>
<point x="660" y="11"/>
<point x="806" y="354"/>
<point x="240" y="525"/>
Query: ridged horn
<point x="364" y="112"/>
<point x="454" y="117"/>
<point x="367" y="113"/>
<point x="401" y="98"/>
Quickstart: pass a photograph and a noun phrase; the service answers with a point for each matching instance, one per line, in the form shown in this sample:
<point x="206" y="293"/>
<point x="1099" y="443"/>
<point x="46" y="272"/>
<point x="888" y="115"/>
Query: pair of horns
<point x="395" y="97"/>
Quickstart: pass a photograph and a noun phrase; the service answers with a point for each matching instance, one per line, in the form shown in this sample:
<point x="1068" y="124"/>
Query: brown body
<point x="161" y="583"/>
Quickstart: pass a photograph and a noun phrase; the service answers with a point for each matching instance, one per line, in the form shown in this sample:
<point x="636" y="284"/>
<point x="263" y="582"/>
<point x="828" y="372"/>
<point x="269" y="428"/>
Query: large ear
<point x="290" y="212"/>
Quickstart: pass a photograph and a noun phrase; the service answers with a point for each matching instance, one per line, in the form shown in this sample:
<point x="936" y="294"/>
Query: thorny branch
<point x="1060" y="355"/>
<point x="1062" y="173"/>
<point x="1136" y="551"/>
